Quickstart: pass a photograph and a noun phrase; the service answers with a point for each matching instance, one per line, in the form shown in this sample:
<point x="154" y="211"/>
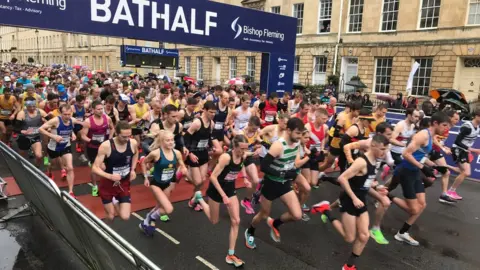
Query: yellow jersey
<point x="6" y="106"/>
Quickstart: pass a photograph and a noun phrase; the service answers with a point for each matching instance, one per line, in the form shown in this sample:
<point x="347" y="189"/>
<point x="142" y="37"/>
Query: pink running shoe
<point x="64" y="175"/>
<point x="454" y="195"/>
<point x="386" y="170"/>
<point x="248" y="207"/>
<point x="198" y="208"/>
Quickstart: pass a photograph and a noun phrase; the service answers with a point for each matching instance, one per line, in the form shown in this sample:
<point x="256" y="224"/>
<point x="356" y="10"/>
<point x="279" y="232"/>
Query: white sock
<point x="375" y="228"/>
<point x="155" y="215"/>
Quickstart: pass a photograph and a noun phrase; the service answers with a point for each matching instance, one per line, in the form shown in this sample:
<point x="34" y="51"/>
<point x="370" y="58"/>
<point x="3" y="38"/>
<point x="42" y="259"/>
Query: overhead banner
<point x="277" y="73"/>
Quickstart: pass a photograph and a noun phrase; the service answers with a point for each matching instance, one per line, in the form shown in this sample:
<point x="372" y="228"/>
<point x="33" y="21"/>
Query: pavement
<point x="447" y="236"/>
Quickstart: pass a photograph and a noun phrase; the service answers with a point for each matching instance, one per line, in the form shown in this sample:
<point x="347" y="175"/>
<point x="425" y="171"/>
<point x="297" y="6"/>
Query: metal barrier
<point x="96" y="244"/>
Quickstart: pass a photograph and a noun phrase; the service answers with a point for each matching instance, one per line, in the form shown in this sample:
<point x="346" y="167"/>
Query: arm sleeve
<point x="464" y="131"/>
<point x="265" y="166"/>
<point x="337" y="130"/>
<point x="179" y="141"/>
<point x="345" y="140"/>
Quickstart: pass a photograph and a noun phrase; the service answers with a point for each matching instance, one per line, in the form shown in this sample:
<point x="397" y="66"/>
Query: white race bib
<point x="202" y="144"/>
<point x="369" y="181"/>
<point x="122" y="171"/>
<point x="34" y="130"/>
<point x="269" y="118"/>
<point x="218" y="125"/>
<point x="98" y="137"/>
<point x="65" y="139"/>
<point x="167" y="174"/>
<point x="231" y="176"/>
<point x="5" y="112"/>
<point x="289" y="166"/>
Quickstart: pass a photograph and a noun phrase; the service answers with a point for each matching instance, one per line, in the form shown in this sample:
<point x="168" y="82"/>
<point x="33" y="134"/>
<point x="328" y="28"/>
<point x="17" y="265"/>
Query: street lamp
<point x="38" y="47"/>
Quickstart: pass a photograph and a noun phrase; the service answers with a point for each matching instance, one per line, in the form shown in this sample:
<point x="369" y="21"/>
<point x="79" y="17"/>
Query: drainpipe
<point x="339" y="36"/>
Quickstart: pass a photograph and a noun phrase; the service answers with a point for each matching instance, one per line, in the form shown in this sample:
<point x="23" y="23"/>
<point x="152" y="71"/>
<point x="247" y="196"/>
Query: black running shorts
<point x="459" y="155"/>
<point x="348" y="207"/>
<point x="272" y="190"/>
<point x="228" y="188"/>
<point x="411" y="181"/>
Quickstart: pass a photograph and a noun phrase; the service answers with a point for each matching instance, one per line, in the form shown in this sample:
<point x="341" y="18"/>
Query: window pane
<point x="382" y="74"/>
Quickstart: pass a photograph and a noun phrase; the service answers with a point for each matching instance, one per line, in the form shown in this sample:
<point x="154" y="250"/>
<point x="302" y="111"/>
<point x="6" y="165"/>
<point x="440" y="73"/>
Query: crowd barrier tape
<point x="95" y="243"/>
<point x="394" y="117"/>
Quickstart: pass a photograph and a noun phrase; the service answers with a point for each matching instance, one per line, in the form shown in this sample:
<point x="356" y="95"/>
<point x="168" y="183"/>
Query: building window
<point x="474" y="12"/>
<point x="422" y="78"/>
<point x="86" y="61"/>
<point x="275" y="10"/>
<point x="100" y="63"/>
<point x="471" y="62"/>
<point x="298" y="13"/>
<point x="319" y="70"/>
<point x="355" y="16"/>
<point x="324" y="16"/>
<point x="107" y="63"/>
<point x="390" y="15"/>
<point x="430" y="13"/>
<point x="94" y="64"/>
<point x="296" y="69"/>
<point x="188" y="62"/>
<point x="383" y="73"/>
<point x="200" y="68"/>
<point x="232" y="69"/>
<point x="251" y="66"/>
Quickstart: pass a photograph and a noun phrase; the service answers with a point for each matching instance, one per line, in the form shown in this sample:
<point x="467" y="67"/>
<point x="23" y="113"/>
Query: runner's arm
<point x="181" y="164"/>
<point x="396" y="132"/>
<point x="358" y="165"/>
<point x="299" y="162"/>
<point x="134" y="146"/>
<point x="133" y="115"/>
<point x="103" y="151"/>
<point x="187" y="137"/>
<point x="111" y="127"/>
<point x="325" y="137"/>
<point x="417" y="142"/>
<point x="52" y="123"/>
<point x="347" y="149"/>
<point x="275" y="151"/>
<point x="84" y="131"/>
<point x="464" y="131"/>
<point x="222" y="163"/>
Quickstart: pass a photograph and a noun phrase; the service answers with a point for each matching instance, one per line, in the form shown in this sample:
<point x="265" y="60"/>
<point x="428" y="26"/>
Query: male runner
<point x="302" y="112"/>
<point x="318" y="139"/>
<point x="79" y="112"/>
<point x="119" y="156"/>
<point x="110" y="110"/>
<point x="462" y="149"/>
<point x="59" y="147"/>
<point x="356" y="181"/>
<point x="220" y="119"/>
<point x="268" y="110"/>
<point x="96" y="129"/>
<point x="402" y="133"/>
<point x="8" y="109"/>
<point x="280" y="168"/>
<point x="379" y="116"/>
<point x="188" y="114"/>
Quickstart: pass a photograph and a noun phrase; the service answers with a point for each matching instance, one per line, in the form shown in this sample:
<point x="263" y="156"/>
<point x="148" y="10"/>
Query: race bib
<point x="218" y="125"/>
<point x="231" y="176"/>
<point x="122" y="171"/>
<point x="65" y="139"/>
<point x="289" y="166"/>
<point x="423" y="160"/>
<point x="34" y="130"/>
<point x="5" y="112"/>
<point x="242" y="125"/>
<point x="186" y="125"/>
<point x="369" y="181"/>
<point x="202" y="144"/>
<point x="98" y="138"/>
<point x="167" y="174"/>
<point x="269" y="118"/>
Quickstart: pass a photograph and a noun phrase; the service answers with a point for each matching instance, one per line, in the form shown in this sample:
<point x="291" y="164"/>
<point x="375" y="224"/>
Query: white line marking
<point x="90" y="184"/>
<point x="168" y="236"/>
<point x="11" y="198"/>
<point x="207" y="263"/>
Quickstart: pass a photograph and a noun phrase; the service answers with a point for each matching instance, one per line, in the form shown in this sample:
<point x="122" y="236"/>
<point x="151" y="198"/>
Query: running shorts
<point x="272" y="190"/>
<point x="61" y="153"/>
<point x="411" y="181"/>
<point x="161" y="185"/>
<point x="202" y="156"/>
<point x="397" y="158"/>
<point x="7" y="122"/>
<point x="435" y="155"/>
<point x="334" y="151"/>
<point x="459" y="155"/>
<point x="108" y="191"/>
<point x="218" y="134"/>
<point x="25" y="143"/>
<point x="228" y="188"/>
<point x="347" y="205"/>
<point x="92" y="154"/>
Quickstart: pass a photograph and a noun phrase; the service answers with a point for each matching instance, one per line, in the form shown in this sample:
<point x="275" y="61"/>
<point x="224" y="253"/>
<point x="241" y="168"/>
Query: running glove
<point x="441" y="169"/>
<point x="291" y="174"/>
<point x="428" y="171"/>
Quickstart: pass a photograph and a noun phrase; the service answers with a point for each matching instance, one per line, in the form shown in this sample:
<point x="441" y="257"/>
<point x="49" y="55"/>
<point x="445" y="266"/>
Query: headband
<point x="30" y="103"/>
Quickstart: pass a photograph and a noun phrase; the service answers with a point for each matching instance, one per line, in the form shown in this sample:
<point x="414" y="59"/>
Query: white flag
<point x="415" y="67"/>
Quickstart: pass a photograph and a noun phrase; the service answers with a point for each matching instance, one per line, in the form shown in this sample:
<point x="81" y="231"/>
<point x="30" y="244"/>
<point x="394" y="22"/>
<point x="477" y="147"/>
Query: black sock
<point x="251" y="230"/>
<point x="405" y="228"/>
<point x="351" y="259"/>
<point x="277" y="222"/>
<point x="328" y="213"/>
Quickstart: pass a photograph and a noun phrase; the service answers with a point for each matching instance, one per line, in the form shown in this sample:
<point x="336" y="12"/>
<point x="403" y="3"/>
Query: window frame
<point x="318" y="19"/>
<point x="415" y="77"/>
<point x="315" y="64"/>
<point x="374" y="87"/>
<point x="189" y="70"/>
<point x="296" y="69"/>
<point x="230" y="73"/>
<point x="303" y="13"/>
<point x="420" y="15"/>
<point x="274" y="7"/>
<point x="468" y="12"/>
<point x="381" y="16"/>
<point x="200" y="67"/>
<point x="349" y="17"/>
<point x="249" y="69"/>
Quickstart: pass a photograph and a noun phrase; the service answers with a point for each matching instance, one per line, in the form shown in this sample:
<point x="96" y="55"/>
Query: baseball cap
<point x="7" y="79"/>
<point x="107" y="82"/>
<point x="29" y="86"/>
<point x="124" y="98"/>
<point x="61" y="88"/>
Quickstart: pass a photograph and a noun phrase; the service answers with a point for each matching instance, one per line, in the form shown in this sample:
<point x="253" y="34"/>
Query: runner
<point x="379" y="116"/>
<point x="28" y="122"/>
<point x="59" y="147"/>
<point x="218" y="134"/>
<point x="356" y="182"/>
<point x="96" y="129"/>
<point x="301" y="185"/>
<point x="197" y="139"/>
<point x="302" y="112"/>
<point x="110" y="110"/>
<point x="268" y="110"/>
<point x="165" y="160"/>
<point x="295" y="103"/>
<point x="410" y="174"/>
<point x="318" y="138"/>
<point x="462" y="149"/>
<point x="242" y="114"/>
<point x="188" y="114"/>
<point x="216" y="95"/>
<point x="283" y="103"/>
<point x="280" y="168"/>
<point x="222" y="190"/>
<point x="119" y="156"/>
<point x="124" y="111"/>
<point x="8" y="109"/>
<point x="79" y="112"/>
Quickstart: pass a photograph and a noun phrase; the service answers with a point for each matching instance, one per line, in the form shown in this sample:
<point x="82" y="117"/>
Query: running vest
<point x="140" y="111"/>
<point x="111" y="114"/>
<point x="269" y="114"/>
<point x="34" y="123"/>
<point x="335" y="141"/>
<point x="403" y="137"/>
<point x="65" y="131"/>
<point x="201" y="138"/>
<point x="294" y="107"/>
<point x="119" y="163"/>
<point x="363" y="182"/>
<point x="6" y="106"/>
<point x="123" y="115"/>
<point x="373" y="125"/>
<point x="215" y="99"/>
<point x="220" y="118"/>
<point x="97" y="133"/>
<point x="285" y="162"/>
<point x="47" y="108"/>
<point x="419" y="155"/>
<point x="187" y="120"/>
<point x="251" y="140"/>
<point x="63" y="98"/>
<point x="164" y="169"/>
<point x="230" y="173"/>
<point x="242" y="118"/>
<point x="469" y="139"/>
<point x="304" y="119"/>
<point x="441" y="139"/>
<point x="316" y="137"/>
<point x="79" y="113"/>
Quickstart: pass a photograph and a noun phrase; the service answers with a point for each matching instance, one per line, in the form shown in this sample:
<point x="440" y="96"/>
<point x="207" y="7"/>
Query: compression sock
<point x="328" y="214"/>
<point x="251" y="230"/>
<point x="277" y="222"/>
<point x="351" y="260"/>
<point x="405" y="228"/>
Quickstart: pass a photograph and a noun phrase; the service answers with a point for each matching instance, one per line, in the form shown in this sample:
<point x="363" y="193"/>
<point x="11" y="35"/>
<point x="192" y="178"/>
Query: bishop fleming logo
<point x="252" y="31"/>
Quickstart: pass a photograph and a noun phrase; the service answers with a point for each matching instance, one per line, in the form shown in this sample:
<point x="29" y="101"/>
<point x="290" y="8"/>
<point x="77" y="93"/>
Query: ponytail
<point x="158" y="140"/>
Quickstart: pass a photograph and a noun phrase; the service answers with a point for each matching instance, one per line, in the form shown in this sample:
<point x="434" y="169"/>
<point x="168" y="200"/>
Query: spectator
<point x="366" y="102"/>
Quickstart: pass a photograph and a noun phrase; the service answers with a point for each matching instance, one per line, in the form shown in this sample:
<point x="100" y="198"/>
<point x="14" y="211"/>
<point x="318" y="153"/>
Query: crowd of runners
<point x="278" y="147"/>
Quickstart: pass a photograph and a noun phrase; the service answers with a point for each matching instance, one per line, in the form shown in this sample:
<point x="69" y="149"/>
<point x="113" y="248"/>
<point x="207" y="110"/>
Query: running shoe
<point x="316" y="186"/>
<point x="95" y="191"/>
<point x="164" y="218"/>
<point x="324" y="218"/>
<point x="320" y="207"/>
<point x="198" y="208"/>
<point x="377" y="235"/>
<point x="64" y="175"/>
<point x="248" y="207"/>
<point x="444" y="198"/>
<point x="320" y="176"/>
<point x="46" y="162"/>
<point x="234" y="260"/>
<point x="305" y="208"/>
<point x="73" y="195"/>
<point x="386" y="170"/>
<point x="78" y="149"/>
<point x="305" y="217"/>
<point x="346" y="267"/>
<point x="274" y="233"/>
<point x="249" y="240"/>
<point x="146" y="229"/>
<point x="82" y="158"/>
<point x="405" y="237"/>
<point x="454" y="195"/>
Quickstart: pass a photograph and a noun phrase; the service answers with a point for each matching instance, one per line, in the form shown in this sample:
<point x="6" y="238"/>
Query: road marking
<point x="207" y="263"/>
<point x="168" y="236"/>
<point x="11" y="198"/>
<point x="90" y="184"/>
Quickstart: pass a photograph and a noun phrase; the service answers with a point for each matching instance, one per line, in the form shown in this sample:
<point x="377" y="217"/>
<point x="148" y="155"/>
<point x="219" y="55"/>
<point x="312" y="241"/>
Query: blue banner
<point x="277" y="73"/>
